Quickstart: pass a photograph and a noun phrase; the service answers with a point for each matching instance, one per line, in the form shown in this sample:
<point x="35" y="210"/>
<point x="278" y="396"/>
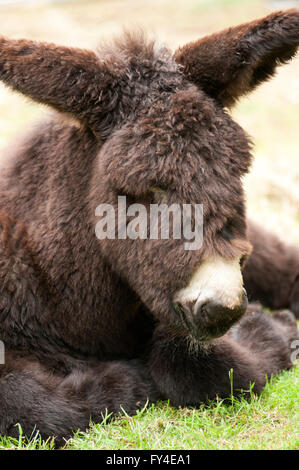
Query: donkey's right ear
<point x="71" y="80"/>
<point x="233" y="62"/>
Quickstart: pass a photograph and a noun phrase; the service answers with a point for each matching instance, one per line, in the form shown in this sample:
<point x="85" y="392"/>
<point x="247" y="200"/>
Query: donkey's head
<point x="178" y="145"/>
<point x="165" y="136"/>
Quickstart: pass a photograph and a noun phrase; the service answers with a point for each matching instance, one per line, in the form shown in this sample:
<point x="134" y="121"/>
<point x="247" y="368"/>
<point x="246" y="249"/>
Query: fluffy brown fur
<point x="271" y="274"/>
<point x="89" y="325"/>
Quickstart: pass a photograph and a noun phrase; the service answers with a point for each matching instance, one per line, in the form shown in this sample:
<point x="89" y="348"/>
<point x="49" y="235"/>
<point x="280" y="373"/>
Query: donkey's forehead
<point x="153" y="84"/>
<point x="188" y="124"/>
<point x="163" y="116"/>
<point x="185" y="143"/>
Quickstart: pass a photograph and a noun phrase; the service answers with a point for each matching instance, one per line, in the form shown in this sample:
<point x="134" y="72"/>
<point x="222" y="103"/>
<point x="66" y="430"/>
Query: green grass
<point x="268" y="421"/>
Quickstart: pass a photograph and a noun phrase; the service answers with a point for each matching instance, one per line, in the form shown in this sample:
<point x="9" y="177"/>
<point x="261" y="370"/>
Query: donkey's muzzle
<point x="210" y="319"/>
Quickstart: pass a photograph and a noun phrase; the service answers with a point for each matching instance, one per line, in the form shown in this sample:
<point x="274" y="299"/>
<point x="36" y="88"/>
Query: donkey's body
<point x="93" y="325"/>
<point x="81" y="305"/>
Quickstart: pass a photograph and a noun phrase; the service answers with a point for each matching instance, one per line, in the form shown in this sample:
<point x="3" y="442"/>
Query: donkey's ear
<point x="73" y="81"/>
<point x="233" y="62"/>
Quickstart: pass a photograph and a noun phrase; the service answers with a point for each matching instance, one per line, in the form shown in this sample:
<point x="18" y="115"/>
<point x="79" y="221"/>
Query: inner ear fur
<point x="231" y="63"/>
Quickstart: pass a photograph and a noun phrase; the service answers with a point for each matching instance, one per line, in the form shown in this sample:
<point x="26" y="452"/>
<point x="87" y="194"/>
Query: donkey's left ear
<point x="233" y="62"/>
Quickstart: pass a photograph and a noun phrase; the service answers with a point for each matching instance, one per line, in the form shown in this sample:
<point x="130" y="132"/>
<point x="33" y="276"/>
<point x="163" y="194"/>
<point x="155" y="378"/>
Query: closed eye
<point x="159" y="194"/>
<point x="226" y="232"/>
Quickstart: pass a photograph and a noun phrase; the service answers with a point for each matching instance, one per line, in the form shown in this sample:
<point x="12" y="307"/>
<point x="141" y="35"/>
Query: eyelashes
<point x="226" y="232"/>
<point x="159" y="195"/>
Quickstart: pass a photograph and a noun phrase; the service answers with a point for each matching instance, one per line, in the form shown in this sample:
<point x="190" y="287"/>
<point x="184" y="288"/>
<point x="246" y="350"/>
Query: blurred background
<point x="270" y="114"/>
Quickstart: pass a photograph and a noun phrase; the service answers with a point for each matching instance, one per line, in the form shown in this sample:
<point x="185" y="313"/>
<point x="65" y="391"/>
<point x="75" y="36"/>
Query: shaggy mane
<point x="136" y="48"/>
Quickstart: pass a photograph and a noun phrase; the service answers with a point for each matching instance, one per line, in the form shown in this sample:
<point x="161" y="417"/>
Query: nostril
<point x="199" y="306"/>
